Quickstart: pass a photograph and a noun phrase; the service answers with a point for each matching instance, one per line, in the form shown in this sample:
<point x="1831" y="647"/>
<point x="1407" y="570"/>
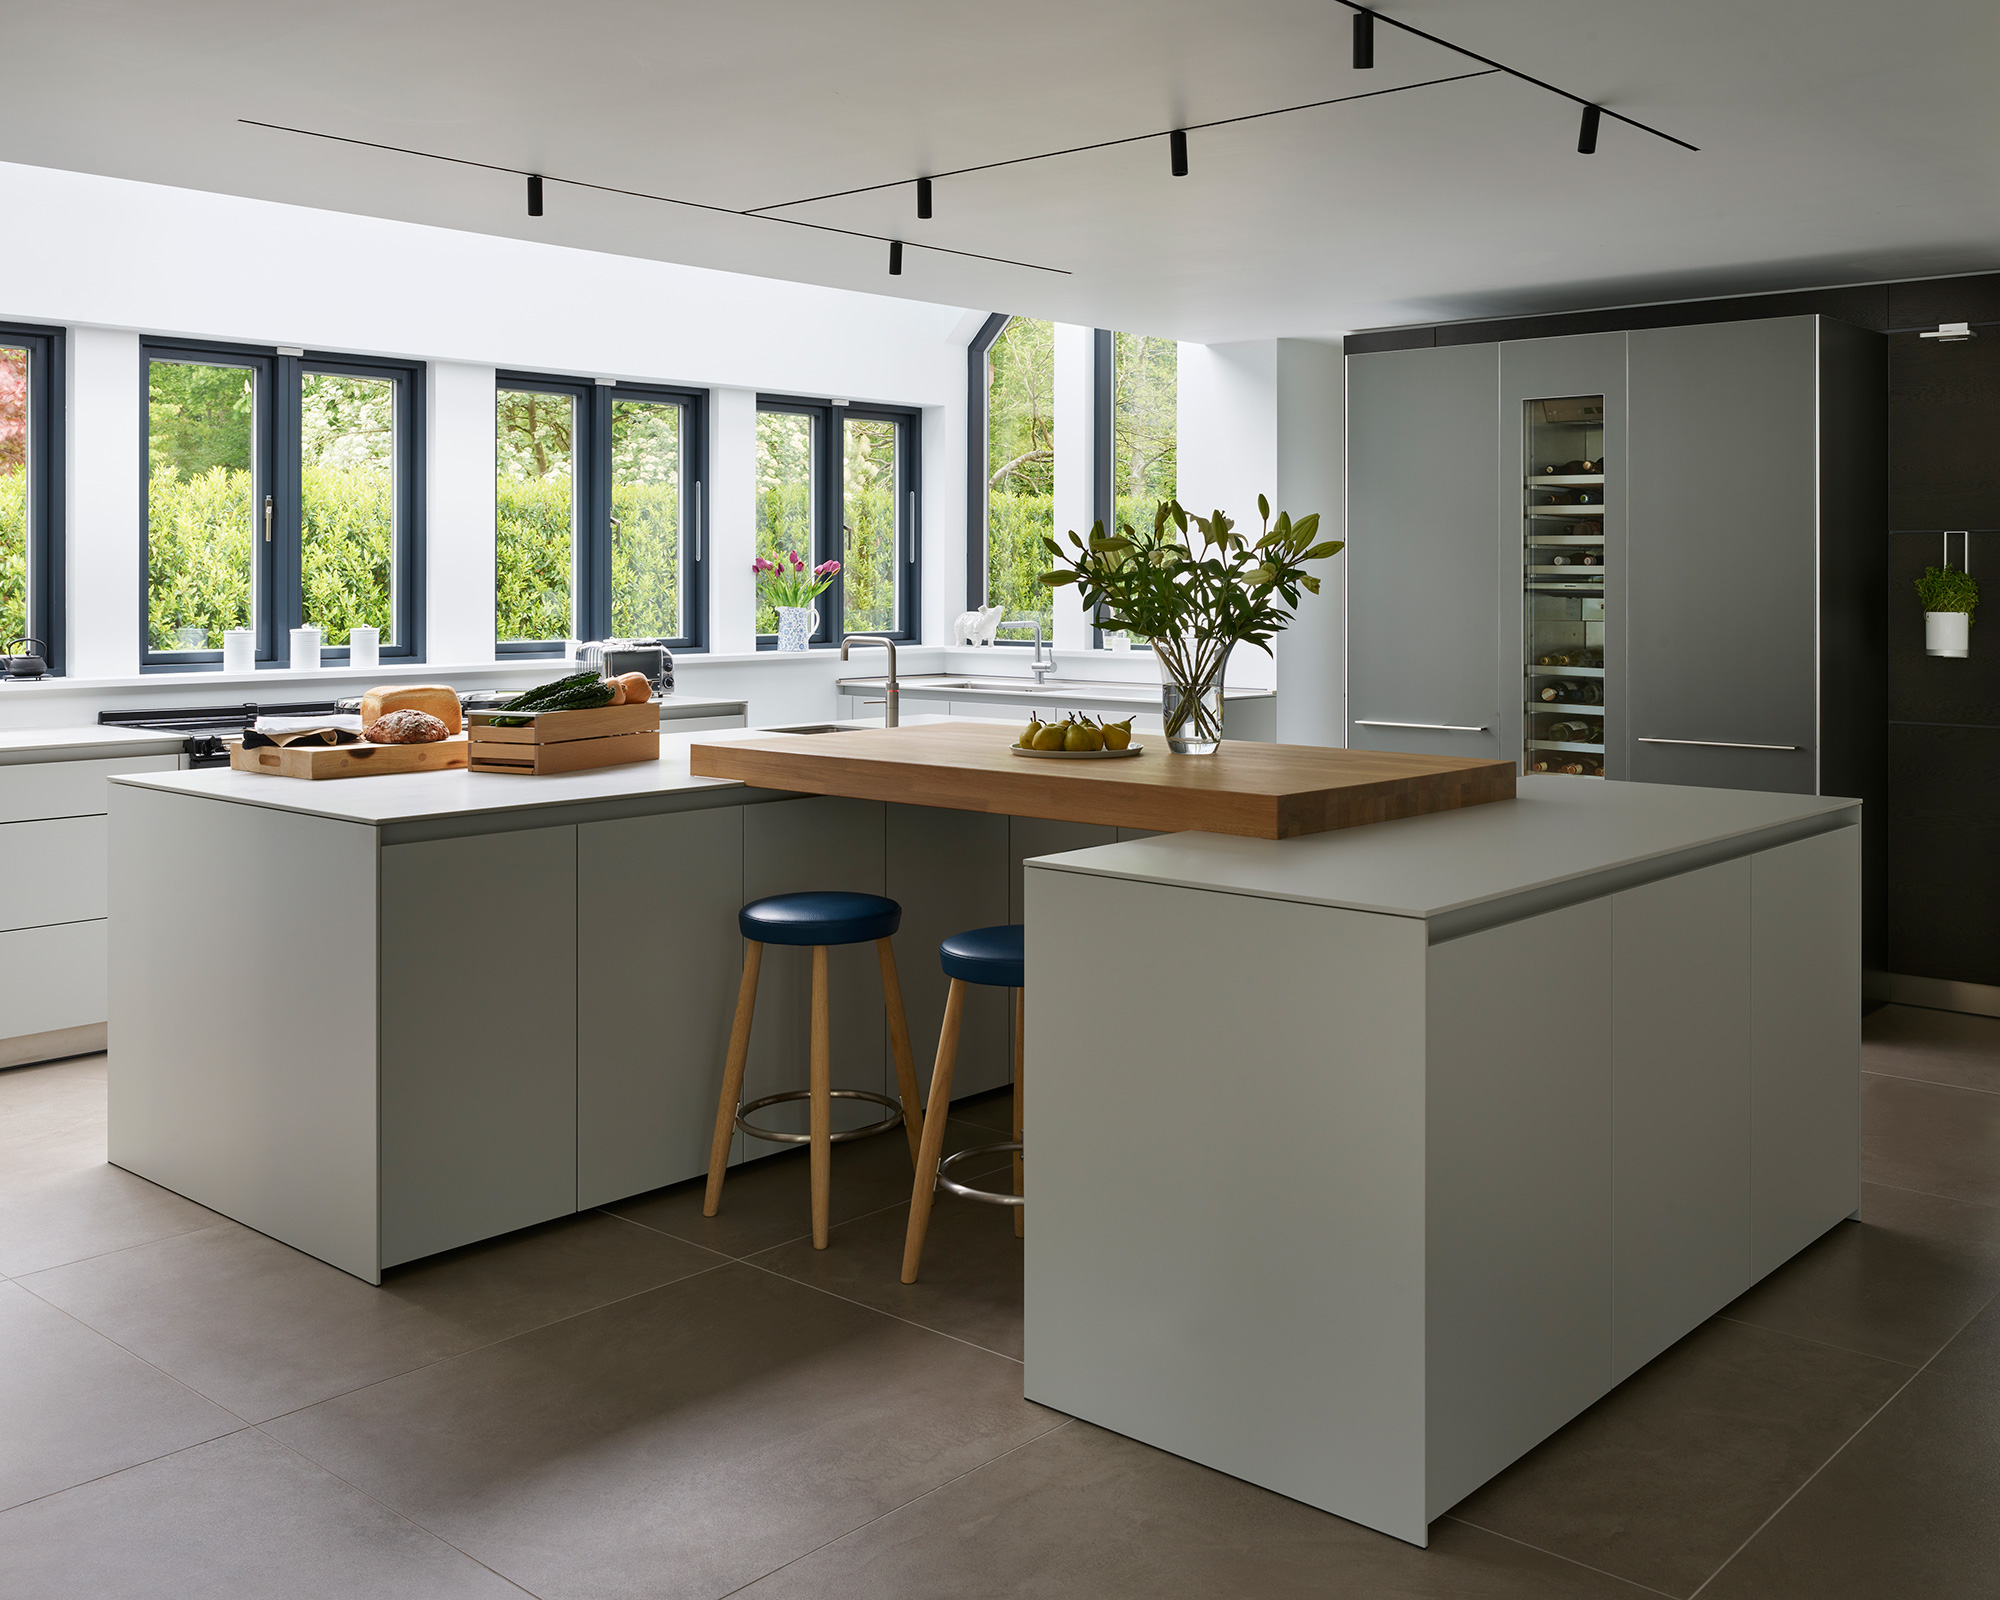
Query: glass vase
<point x="795" y="627"/>
<point x="1191" y="674"/>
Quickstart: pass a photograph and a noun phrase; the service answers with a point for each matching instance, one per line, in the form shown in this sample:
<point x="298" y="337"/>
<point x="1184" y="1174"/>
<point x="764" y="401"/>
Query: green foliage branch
<point x="1948" y="589"/>
<point x="1195" y="605"/>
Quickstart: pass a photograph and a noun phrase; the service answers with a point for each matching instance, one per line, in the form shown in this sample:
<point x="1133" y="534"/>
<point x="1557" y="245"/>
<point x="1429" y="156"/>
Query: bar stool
<point x="817" y="919"/>
<point x="997" y="957"/>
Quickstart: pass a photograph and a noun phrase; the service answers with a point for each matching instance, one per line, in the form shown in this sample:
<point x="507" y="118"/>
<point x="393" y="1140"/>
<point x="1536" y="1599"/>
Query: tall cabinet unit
<point x="1423" y="632"/>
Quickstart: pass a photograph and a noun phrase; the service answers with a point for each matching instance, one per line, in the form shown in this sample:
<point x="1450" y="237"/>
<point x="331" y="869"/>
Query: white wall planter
<point x="1947" y="633"/>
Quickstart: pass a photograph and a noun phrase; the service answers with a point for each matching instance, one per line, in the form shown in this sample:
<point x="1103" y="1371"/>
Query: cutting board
<point x="349" y="760"/>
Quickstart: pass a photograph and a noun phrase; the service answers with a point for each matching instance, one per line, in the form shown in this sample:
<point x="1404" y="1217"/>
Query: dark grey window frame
<point x="829" y="477"/>
<point x="46" y="458"/>
<point x="590" y="605"/>
<point x="279" y="605"/>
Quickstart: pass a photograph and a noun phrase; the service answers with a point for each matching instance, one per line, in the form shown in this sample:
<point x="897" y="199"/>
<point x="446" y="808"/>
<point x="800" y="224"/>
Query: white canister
<point x="239" y="650"/>
<point x="305" y="649"/>
<point x="364" y="647"/>
<point x="1947" y="633"/>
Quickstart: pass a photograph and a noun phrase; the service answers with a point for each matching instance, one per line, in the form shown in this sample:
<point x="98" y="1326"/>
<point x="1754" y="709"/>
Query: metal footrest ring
<point x="893" y="1120"/>
<point x="963" y="1191"/>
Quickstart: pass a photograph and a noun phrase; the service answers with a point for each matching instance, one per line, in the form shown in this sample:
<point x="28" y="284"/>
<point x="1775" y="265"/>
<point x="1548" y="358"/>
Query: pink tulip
<point x="826" y="569"/>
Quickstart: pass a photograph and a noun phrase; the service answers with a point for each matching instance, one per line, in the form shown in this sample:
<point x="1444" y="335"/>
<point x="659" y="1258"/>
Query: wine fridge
<point x="1563" y="586"/>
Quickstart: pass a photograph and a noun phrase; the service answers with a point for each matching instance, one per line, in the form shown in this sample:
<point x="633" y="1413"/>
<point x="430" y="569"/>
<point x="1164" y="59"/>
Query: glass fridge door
<point x="1563" y="586"/>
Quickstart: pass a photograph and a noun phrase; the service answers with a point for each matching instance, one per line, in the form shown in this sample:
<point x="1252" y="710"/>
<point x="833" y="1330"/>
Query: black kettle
<point x="31" y="665"/>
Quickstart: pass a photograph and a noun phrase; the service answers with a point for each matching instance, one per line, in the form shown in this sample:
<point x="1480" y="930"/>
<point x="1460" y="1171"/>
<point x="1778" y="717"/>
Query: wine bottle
<point x="1559" y="690"/>
<point x="1560" y="559"/>
<point x="1573" y="767"/>
<point x="1589" y="558"/>
<point x="1591" y="658"/>
<point x="1542" y="763"/>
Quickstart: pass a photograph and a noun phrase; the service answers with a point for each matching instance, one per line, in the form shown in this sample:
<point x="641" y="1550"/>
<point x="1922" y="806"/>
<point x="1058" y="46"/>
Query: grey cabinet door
<point x="1722" y="511"/>
<point x="1423" y="629"/>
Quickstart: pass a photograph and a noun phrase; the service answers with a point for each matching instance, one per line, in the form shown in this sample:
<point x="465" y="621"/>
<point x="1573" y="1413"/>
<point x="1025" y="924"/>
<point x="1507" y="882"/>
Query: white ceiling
<point x="1840" y="141"/>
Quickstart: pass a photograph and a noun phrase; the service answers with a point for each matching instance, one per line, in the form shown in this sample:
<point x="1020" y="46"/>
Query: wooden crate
<point x="564" y="741"/>
<point x="350" y="760"/>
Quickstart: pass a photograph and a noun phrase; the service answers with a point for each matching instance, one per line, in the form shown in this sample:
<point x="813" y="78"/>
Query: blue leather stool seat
<point x="820" y="917"/>
<point x="995" y="956"/>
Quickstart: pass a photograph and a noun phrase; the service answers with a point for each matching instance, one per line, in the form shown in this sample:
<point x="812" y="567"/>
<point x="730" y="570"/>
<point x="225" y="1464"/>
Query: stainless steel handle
<point x="1434" y="727"/>
<point x="1721" y="744"/>
<point x="697" y="519"/>
<point x="267" y="517"/>
<point x="910" y="555"/>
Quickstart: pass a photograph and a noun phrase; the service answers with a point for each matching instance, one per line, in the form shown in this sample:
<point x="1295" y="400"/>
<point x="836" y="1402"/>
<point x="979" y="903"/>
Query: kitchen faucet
<point x="891" y="692"/>
<point x="1040" y="668"/>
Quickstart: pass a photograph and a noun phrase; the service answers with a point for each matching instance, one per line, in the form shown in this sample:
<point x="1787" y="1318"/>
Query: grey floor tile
<point x="88" y="1211"/>
<point x="1907" y="1510"/>
<point x="969" y="1286"/>
<point x="1663" y="1478"/>
<point x="242" y="1518"/>
<point x="1930" y="1137"/>
<point x="1081" y="1514"/>
<point x="1936" y="1046"/>
<point x="51" y="1119"/>
<point x="994" y="1109"/>
<point x="73" y="1406"/>
<point x="768" y="1202"/>
<point x="1896" y="1284"/>
<point x="678" y="1444"/>
<point x="263" y="1329"/>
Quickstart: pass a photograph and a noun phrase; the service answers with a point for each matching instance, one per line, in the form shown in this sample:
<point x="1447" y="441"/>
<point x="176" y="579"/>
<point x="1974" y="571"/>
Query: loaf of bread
<point x="432" y="698"/>
<point x="405" y="727"/>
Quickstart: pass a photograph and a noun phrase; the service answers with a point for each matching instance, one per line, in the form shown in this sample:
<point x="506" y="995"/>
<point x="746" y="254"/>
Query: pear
<point x="1118" y="735"/>
<point x="1027" y="739"/>
<point x="1082" y="736"/>
<point x="1052" y="735"/>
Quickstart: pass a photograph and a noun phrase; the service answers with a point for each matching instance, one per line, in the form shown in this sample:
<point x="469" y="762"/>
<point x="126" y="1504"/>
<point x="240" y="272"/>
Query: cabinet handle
<point x="1721" y="744"/>
<point x="1434" y="727"/>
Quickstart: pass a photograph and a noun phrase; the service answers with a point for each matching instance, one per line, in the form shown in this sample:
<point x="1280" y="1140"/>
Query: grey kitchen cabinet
<point x="1423" y="639"/>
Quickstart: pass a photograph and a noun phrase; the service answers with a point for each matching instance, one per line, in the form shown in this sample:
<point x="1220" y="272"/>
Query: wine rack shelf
<point x="1562" y="604"/>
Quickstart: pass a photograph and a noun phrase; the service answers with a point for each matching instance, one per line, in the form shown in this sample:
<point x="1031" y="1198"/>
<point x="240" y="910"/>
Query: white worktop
<point x="1558" y="831"/>
<point x="82" y="743"/>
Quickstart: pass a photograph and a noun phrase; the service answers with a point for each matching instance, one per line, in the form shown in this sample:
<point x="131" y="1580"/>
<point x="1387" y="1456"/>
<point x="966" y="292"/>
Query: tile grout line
<point x="937" y="1488"/>
<point x="1867" y="1422"/>
<point x="1556" y="1555"/>
<point x="100" y="1255"/>
<point x="785" y="1277"/>
<point x="1935" y="1083"/>
<point x="400" y="1516"/>
<point x="164" y="1455"/>
<point x="1955" y="1199"/>
<point x="1823" y="1344"/>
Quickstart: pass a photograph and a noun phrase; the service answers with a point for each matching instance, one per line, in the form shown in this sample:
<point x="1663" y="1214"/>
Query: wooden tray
<point x="564" y="755"/>
<point x="350" y="760"/>
<point x="558" y="727"/>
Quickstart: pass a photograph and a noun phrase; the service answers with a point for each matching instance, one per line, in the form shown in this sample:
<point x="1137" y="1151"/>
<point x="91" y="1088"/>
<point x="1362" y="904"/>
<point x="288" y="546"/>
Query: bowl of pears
<point x="1077" y="738"/>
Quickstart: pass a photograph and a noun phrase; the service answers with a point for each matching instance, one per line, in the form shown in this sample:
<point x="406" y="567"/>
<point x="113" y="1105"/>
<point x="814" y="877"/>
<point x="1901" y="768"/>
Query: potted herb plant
<point x="791" y="586"/>
<point x="1948" y="596"/>
<point x="1195" y="607"/>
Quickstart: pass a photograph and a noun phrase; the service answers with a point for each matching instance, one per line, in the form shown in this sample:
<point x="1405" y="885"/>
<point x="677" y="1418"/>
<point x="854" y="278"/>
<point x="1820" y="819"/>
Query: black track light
<point x="1364" y="39"/>
<point x="895" y="258"/>
<point x="1177" y="147"/>
<point x="1586" y="136"/>
<point x="534" y="194"/>
<point x="923" y="199"/>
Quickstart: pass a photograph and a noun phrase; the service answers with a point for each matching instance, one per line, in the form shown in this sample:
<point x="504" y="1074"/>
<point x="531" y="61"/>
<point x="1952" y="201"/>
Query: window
<point x="1014" y="466"/>
<point x="1137" y="429"/>
<point x="31" y="413"/>
<point x="598" y="498"/>
<point x="840" y="483"/>
<point x="281" y="491"/>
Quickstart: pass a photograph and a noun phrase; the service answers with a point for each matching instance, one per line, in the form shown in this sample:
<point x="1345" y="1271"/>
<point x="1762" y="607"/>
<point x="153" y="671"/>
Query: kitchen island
<point x="1360" y="1161"/>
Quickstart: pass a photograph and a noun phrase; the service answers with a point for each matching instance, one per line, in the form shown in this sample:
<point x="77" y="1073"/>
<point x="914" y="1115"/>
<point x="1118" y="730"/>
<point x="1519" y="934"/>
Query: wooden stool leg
<point x="732" y="1077"/>
<point x="936" y="1111"/>
<point x="899" y="1045"/>
<point x="1020" y="1057"/>
<point x="822" y="1103"/>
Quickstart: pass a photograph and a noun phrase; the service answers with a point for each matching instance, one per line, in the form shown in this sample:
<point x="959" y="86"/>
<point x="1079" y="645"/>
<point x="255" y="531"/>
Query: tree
<point x="1020" y="467"/>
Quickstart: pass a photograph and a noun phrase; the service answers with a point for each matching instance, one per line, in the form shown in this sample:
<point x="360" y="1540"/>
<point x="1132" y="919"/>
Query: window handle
<point x="697" y="519"/>
<point x="910" y="553"/>
<point x="267" y="517"/>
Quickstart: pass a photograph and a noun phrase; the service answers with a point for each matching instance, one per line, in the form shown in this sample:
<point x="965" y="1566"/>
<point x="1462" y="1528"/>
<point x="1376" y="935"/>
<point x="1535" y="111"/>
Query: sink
<point x="815" y="727"/>
<point x="1070" y="686"/>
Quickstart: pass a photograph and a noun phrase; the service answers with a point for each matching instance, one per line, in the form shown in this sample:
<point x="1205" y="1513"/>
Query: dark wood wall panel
<point x="1944" y="431"/>
<point x="1925" y="688"/>
<point x="1944" y="852"/>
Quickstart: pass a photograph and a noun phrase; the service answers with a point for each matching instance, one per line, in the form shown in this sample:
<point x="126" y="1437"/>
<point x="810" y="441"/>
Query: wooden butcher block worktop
<point x="1261" y="791"/>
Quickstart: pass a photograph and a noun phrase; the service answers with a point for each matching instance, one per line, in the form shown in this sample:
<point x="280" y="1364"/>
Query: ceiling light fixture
<point x="1177" y="151"/>
<point x="1364" y="40"/>
<point x="1951" y="333"/>
<point x="895" y="258"/>
<point x="1586" y="134"/>
<point x="923" y="199"/>
<point x="534" y="194"/>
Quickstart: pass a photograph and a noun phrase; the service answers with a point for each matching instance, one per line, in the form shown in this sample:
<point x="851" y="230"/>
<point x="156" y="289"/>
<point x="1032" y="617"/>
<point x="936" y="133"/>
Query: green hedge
<point x="1015" y="560"/>
<point x="868" y="561"/>
<point x="13" y="554"/>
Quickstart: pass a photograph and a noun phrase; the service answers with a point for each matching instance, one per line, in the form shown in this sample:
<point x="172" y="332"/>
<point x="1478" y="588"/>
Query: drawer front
<point x="37" y="789"/>
<point x="52" y="978"/>
<point x="51" y="871"/>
